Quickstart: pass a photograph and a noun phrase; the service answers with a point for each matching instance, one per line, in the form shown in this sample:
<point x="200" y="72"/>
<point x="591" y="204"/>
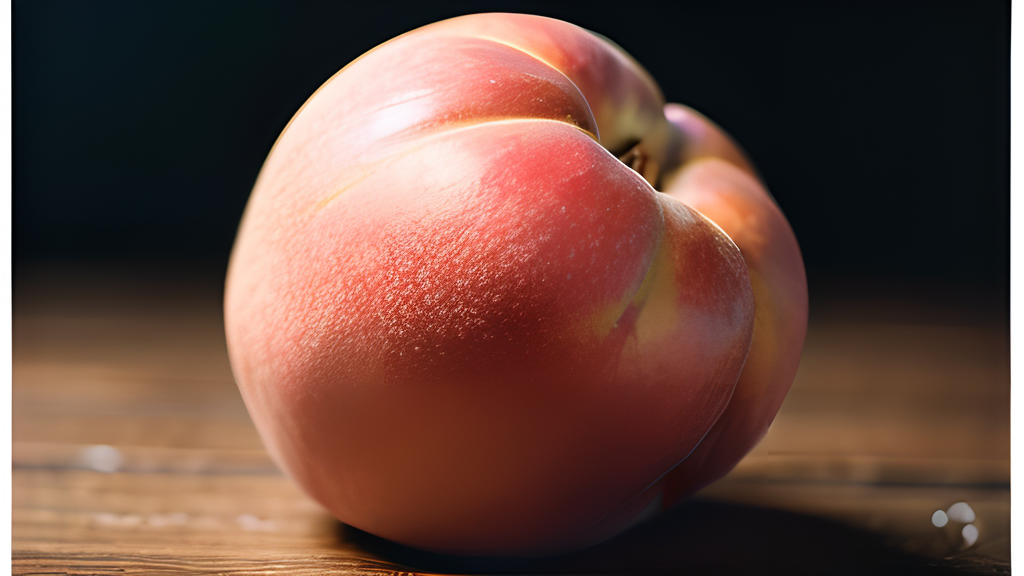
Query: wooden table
<point x="134" y="453"/>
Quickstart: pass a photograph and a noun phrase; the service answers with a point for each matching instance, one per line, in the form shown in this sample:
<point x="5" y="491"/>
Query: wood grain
<point x="133" y="452"/>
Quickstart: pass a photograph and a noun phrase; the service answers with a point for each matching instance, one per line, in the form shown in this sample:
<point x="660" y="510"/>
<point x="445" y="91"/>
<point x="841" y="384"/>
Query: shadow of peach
<point x="703" y="537"/>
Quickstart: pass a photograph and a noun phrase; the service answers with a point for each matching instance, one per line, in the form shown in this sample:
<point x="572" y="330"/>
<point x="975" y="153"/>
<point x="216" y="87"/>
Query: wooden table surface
<point x="133" y="452"/>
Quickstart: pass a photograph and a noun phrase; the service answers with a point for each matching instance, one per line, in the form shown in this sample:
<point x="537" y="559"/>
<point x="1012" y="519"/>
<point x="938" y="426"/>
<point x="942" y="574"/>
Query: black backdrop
<point x="882" y="128"/>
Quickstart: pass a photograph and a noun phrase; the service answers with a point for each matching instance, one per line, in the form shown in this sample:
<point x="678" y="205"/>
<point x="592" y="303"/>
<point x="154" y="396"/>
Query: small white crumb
<point x="970" y="534"/>
<point x="961" y="512"/>
<point x="101" y="458"/>
<point x="252" y="523"/>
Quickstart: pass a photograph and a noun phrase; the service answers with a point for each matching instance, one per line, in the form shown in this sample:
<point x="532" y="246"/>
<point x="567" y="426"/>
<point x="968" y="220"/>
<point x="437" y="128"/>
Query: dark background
<point x="882" y="128"/>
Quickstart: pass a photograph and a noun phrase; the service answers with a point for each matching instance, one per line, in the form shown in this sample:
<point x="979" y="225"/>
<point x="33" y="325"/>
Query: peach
<point x="463" y="318"/>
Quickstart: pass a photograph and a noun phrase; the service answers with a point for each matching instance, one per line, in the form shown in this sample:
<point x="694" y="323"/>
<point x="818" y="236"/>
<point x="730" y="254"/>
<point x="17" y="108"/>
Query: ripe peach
<point x="459" y="321"/>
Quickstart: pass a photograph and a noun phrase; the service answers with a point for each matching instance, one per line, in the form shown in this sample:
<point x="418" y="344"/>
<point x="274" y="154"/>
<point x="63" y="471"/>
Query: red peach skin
<point x="715" y="178"/>
<point x="459" y="322"/>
